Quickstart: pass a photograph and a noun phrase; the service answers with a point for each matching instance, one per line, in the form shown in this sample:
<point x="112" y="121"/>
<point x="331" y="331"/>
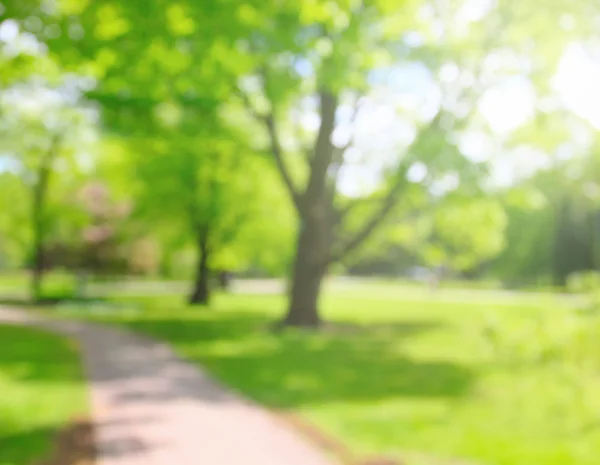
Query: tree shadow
<point x="77" y="442"/>
<point x="346" y="362"/>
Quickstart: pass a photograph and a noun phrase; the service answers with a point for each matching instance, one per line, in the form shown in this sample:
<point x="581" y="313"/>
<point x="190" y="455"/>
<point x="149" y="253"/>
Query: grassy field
<point x="481" y="376"/>
<point x="41" y="389"/>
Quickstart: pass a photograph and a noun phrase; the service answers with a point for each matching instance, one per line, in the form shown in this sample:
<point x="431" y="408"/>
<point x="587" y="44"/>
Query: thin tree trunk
<point x="37" y="275"/>
<point x="201" y="292"/>
<point x="37" y="272"/>
<point x="38" y="220"/>
<point x="225" y="280"/>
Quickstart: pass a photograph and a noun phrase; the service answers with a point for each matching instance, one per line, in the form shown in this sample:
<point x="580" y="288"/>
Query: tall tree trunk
<point x="201" y="292"/>
<point x="38" y="219"/>
<point x="307" y="278"/>
<point x="225" y="280"/>
<point x="310" y="267"/>
<point x="315" y="235"/>
<point x="37" y="274"/>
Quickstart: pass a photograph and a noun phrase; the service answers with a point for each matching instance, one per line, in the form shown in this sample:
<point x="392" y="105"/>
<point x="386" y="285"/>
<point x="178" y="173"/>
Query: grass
<point x="491" y="378"/>
<point x="15" y="287"/>
<point x="41" y="389"/>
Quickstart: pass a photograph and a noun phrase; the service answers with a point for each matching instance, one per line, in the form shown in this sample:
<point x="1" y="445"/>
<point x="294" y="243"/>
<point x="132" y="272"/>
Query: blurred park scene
<point x="380" y="218"/>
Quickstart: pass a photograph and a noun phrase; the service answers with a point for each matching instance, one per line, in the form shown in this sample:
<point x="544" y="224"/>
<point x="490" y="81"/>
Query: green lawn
<point x="491" y="378"/>
<point x="41" y="389"/>
<point x="16" y="286"/>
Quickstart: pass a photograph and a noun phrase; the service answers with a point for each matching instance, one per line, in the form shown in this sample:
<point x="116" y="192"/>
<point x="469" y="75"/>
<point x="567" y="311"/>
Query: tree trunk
<point x="225" y="280"/>
<point x="37" y="271"/>
<point x="38" y="220"/>
<point x="201" y="293"/>
<point x="316" y="207"/>
<point x="37" y="274"/>
<point x="310" y="267"/>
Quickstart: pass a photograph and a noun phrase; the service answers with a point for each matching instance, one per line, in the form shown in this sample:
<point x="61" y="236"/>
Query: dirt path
<point x="151" y="408"/>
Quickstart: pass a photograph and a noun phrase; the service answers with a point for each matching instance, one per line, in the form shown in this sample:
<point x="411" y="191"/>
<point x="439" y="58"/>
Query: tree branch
<point x="303" y="147"/>
<point x="276" y="149"/>
<point x="277" y="152"/>
<point x="248" y="105"/>
<point x="357" y="106"/>
<point x="347" y="209"/>
<point x="337" y="160"/>
<point x="338" y="152"/>
<point x="323" y="149"/>
<point x="387" y="204"/>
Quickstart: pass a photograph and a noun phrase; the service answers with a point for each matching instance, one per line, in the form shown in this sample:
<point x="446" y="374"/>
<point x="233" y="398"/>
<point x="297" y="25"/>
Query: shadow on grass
<point x="76" y="443"/>
<point x="343" y="363"/>
<point x="49" y="302"/>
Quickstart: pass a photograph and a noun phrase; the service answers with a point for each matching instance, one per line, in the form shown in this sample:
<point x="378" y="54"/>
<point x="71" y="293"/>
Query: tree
<point x="335" y="54"/>
<point x="553" y="210"/>
<point x="527" y="258"/>
<point x="295" y="54"/>
<point x="43" y="134"/>
<point x="208" y="189"/>
<point x="164" y="85"/>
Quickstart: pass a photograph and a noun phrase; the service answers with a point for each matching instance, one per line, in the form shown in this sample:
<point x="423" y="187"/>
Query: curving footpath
<point x="149" y="407"/>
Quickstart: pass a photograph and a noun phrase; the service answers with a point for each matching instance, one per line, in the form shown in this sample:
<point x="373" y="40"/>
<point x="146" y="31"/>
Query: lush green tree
<point x="327" y="60"/>
<point x="209" y="189"/>
<point x="163" y="94"/>
<point x="337" y="54"/>
<point x="553" y="222"/>
<point x="527" y="259"/>
<point x="44" y="139"/>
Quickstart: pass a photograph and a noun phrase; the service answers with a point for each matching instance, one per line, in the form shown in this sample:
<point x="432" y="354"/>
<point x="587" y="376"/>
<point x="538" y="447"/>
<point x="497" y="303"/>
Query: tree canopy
<point x="359" y="126"/>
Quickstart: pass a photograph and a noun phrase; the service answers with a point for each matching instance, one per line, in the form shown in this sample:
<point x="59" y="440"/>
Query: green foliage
<point x="43" y="136"/>
<point x="553" y="222"/>
<point x="466" y="235"/>
<point x="214" y="183"/>
<point x="169" y="88"/>
<point x="527" y="259"/>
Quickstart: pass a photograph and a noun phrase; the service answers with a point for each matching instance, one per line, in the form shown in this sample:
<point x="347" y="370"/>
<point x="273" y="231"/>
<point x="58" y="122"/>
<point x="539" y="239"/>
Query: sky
<point x="505" y="108"/>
